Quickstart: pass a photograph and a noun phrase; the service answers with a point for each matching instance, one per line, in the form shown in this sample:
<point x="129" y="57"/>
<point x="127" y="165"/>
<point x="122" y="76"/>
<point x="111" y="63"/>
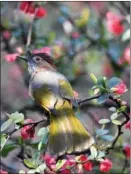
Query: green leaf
<point x="93" y="77"/>
<point x="101" y="132"/>
<point x="40" y="145"/>
<point x="7" y="148"/>
<point x="60" y="163"/>
<point x="122" y="108"/>
<point x="41" y="168"/>
<point x="114" y="116"/>
<point x="51" y="37"/>
<point x="104" y="121"/>
<point x="126" y="35"/>
<point x="116" y="122"/>
<point x="113" y="82"/>
<point x="108" y="137"/>
<point x="6" y="124"/>
<point x="96" y="91"/>
<point x="17" y="117"/>
<point x="102" y="98"/>
<point x="30" y="164"/>
<point x="42" y="131"/>
<point x="101" y="154"/>
<point x="93" y="151"/>
<point x="2" y="140"/>
<point x="113" y="109"/>
<point x="101" y="82"/>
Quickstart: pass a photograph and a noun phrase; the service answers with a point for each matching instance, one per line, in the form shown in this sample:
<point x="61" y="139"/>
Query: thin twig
<point x="82" y="102"/>
<point x="29" y="33"/>
<point x="34" y="124"/>
<point x="125" y="165"/>
<point x="119" y="127"/>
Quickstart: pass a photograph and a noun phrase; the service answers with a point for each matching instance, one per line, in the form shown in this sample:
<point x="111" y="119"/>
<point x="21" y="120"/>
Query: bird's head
<point x="38" y="62"/>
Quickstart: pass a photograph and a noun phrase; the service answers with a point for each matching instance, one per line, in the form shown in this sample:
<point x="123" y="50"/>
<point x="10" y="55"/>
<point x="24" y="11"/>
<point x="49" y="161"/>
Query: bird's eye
<point x="38" y="59"/>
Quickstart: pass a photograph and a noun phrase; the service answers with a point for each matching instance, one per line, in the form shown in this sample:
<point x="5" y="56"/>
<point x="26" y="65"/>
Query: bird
<point x="52" y="91"/>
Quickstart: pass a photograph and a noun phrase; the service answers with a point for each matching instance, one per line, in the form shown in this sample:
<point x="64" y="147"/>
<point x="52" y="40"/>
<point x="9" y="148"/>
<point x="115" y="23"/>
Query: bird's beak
<point x="23" y="58"/>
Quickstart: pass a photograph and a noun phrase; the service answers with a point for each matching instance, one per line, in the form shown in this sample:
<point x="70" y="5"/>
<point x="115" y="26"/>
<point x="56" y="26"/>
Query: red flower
<point x="50" y="161"/>
<point x="3" y="172"/>
<point x="24" y="5"/>
<point x="127" y="151"/>
<point x="66" y="171"/>
<point x="68" y="163"/>
<point x="11" y="57"/>
<point x="28" y="131"/>
<point x="127" y="126"/>
<point x="87" y="166"/>
<point x="29" y="7"/>
<point x="105" y="165"/>
<point x="119" y="89"/>
<point x="114" y="24"/>
<point x="41" y="12"/>
<point x="83" y="158"/>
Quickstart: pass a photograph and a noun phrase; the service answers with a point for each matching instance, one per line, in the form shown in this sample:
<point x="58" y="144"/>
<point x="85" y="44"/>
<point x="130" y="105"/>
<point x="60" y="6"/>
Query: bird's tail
<point x="67" y="134"/>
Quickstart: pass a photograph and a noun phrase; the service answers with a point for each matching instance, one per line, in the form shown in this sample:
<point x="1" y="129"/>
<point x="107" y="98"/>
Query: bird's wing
<point x="66" y="91"/>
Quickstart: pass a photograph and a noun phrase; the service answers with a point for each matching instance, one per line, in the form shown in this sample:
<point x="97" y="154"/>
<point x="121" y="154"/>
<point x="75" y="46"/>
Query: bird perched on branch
<point x="53" y="92"/>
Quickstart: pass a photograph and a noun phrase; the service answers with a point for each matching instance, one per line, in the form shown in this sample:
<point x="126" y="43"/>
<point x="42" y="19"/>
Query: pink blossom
<point x="105" y="165"/>
<point x="28" y="131"/>
<point x="3" y="172"/>
<point x="19" y="50"/>
<point x="11" y="57"/>
<point x="50" y="161"/>
<point x="119" y="89"/>
<point x="114" y="24"/>
<point x="6" y="34"/>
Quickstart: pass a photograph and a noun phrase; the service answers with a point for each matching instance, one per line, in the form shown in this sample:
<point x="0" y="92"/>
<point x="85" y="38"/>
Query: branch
<point x="34" y="124"/>
<point x="82" y="102"/>
<point x="119" y="127"/>
<point x="29" y="33"/>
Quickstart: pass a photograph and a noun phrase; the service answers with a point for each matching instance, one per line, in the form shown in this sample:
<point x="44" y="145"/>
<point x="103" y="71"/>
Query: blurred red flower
<point x="83" y="158"/>
<point x="75" y="35"/>
<point x="119" y="89"/>
<point x="50" y="161"/>
<point x="66" y="171"/>
<point x="127" y="149"/>
<point x="127" y="126"/>
<point x="28" y="131"/>
<point x="11" y="57"/>
<point x="105" y="165"/>
<point x="31" y="8"/>
<point x="6" y="34"/>
<point x="87" y="166"/>
<point x="3" y="172"/>
<point x="114" y="23"/>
